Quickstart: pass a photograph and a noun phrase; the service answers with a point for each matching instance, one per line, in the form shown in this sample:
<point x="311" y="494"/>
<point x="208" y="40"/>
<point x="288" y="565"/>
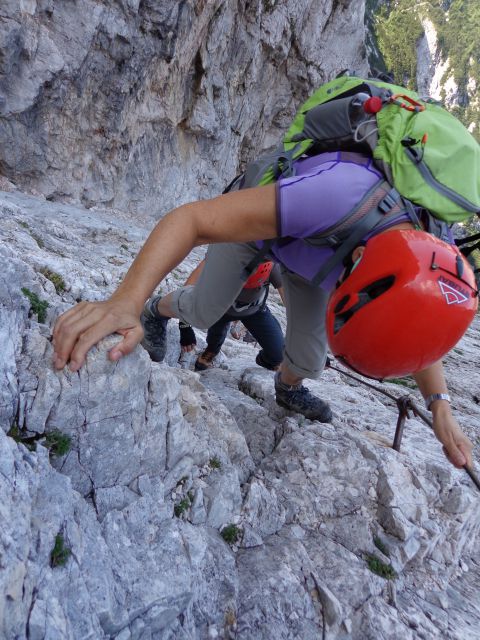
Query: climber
<point x="324" y="190"/>
<point x="250" y="306"/>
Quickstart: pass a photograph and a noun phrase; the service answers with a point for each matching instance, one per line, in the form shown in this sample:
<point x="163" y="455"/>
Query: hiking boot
<point x="155" y="330"/>
<point x="299" y="399"/>
<point x="260" y="360"/>
<point x="205" y="360"/>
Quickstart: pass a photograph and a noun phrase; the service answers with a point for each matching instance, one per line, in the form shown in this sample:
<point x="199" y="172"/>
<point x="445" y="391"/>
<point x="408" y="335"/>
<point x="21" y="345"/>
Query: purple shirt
<point x="324" y="190"/>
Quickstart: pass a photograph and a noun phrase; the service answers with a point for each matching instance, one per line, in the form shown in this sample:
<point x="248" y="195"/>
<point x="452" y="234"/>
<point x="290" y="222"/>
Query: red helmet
<point x="409" y="301"/>
<point x="260" y="276"/>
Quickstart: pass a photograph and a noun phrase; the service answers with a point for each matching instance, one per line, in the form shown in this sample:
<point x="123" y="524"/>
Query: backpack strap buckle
<point x="333" y="240"/>
<point x="387" y="203"/>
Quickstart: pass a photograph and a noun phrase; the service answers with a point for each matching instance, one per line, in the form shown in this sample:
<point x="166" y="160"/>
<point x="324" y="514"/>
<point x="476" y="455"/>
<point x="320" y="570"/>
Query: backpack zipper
<point x="443" y="190"/>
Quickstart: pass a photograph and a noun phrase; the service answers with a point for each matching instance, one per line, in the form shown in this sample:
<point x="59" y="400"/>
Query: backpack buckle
<point x="387" y="203"/>
<point x="333" y="240"/>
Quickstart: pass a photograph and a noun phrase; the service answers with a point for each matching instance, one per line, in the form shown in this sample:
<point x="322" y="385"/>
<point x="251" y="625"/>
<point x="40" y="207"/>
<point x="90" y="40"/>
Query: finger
<point x="70" y="333"/>
<point x="454" y="454"/>
<point x="79" y="337"/>
<point x="131" y="339"/>
<point x="466" y="449"/>
<point x="91" y="337"/>
<point x="65" y="317"/>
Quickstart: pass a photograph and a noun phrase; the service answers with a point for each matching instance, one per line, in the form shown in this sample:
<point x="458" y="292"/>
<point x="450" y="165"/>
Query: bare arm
<point x="235" y="217"/>
<point x="456" y="445"/>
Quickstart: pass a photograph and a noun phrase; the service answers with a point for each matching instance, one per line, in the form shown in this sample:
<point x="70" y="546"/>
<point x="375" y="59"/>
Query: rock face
<point x="431" y="68"/>
<point x="145" y="104"/>
<point x="146" y="502"/>
<point x="162" y="461"/>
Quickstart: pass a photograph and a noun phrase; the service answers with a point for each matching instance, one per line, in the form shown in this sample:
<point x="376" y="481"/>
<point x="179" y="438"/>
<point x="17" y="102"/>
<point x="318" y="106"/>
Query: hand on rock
<point x="80" y="328"/>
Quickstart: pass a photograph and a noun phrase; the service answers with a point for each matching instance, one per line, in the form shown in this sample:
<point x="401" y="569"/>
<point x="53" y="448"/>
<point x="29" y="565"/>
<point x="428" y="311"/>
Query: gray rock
<point x="309" y="499"/>
<point x="103" y="87"/>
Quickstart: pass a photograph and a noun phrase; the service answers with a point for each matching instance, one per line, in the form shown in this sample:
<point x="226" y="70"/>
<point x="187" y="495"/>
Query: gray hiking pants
<point x="221" y="281"/>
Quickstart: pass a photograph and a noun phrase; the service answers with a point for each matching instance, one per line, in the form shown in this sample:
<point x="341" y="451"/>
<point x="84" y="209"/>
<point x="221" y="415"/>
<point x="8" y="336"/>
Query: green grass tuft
<point x="380" y="568"/>
<point x="182" y="506"/>
<point x="215" y="463"/>
<point x="60" y="553"/>
<point x="55" y="278"/>
<point x="58" y="443"/>
<point x="403" y="382"/>
<point x="230" y="533"/>
<point x="37" y="306"/>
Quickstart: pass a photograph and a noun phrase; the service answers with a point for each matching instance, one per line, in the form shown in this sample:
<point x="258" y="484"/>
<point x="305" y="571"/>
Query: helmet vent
<point x="365" y="295"/>
<point x="341" y="303"/>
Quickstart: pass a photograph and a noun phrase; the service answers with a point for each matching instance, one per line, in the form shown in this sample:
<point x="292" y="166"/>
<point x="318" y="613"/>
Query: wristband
<point x="184" y="325"/>
<point x="436" y="396"/>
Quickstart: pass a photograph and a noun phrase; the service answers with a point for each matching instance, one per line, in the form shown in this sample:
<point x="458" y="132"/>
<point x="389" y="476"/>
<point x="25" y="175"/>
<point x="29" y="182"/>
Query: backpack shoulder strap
<point x="381" y="201"/>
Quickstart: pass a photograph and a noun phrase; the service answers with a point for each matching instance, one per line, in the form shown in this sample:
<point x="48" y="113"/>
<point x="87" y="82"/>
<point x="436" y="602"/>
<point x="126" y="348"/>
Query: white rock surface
<point x="143" y="105"/>
<point x="140" y="505"/>
<point x="134" y="109"/>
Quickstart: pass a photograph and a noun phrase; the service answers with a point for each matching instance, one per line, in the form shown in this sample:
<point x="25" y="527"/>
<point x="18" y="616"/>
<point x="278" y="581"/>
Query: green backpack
<point x="424" y="152"/>
<point x="427" y="156"/>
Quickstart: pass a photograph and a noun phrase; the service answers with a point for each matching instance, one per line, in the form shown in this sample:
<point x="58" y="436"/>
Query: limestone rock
<point x="147" y="104"/>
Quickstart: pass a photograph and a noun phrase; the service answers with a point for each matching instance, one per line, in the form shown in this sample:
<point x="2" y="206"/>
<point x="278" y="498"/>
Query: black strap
<point x="230" y="186"/>
<point x="358" y="231"/>
<point x="466" y="251"/>
<point x="460" y="241"/>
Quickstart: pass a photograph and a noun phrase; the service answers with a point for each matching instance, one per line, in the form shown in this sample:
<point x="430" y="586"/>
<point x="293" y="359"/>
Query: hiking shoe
<point x="299" y="399"/>
<point x="205" y="360"/>
<point x="155" y="330"/>
<point x="260" y="360"/>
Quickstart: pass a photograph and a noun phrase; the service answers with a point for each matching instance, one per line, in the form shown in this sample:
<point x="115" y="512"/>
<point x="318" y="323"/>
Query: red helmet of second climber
<point x="260" y="276"/>
<point x="406" y="304"/>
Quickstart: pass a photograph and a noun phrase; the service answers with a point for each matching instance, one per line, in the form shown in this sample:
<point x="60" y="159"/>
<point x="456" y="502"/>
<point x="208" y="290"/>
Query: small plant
<point x="58" y="443"/>
<point x="381" y="546"/>
<point x="403" y="382"/>
<point x="55" y="278"/>
<point x="60" y="553"/>
<point x="38" y="240"/>
<point x="23" y="224"/>
<point x="16" y="434"/>
<point x="181" y="507"/>
<point x="230" y="533"/>
<point x="215" y="463"/>
<point x="380" y="568"/>
<point x="124" y="246"/>
<point x="37" y="306"/>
